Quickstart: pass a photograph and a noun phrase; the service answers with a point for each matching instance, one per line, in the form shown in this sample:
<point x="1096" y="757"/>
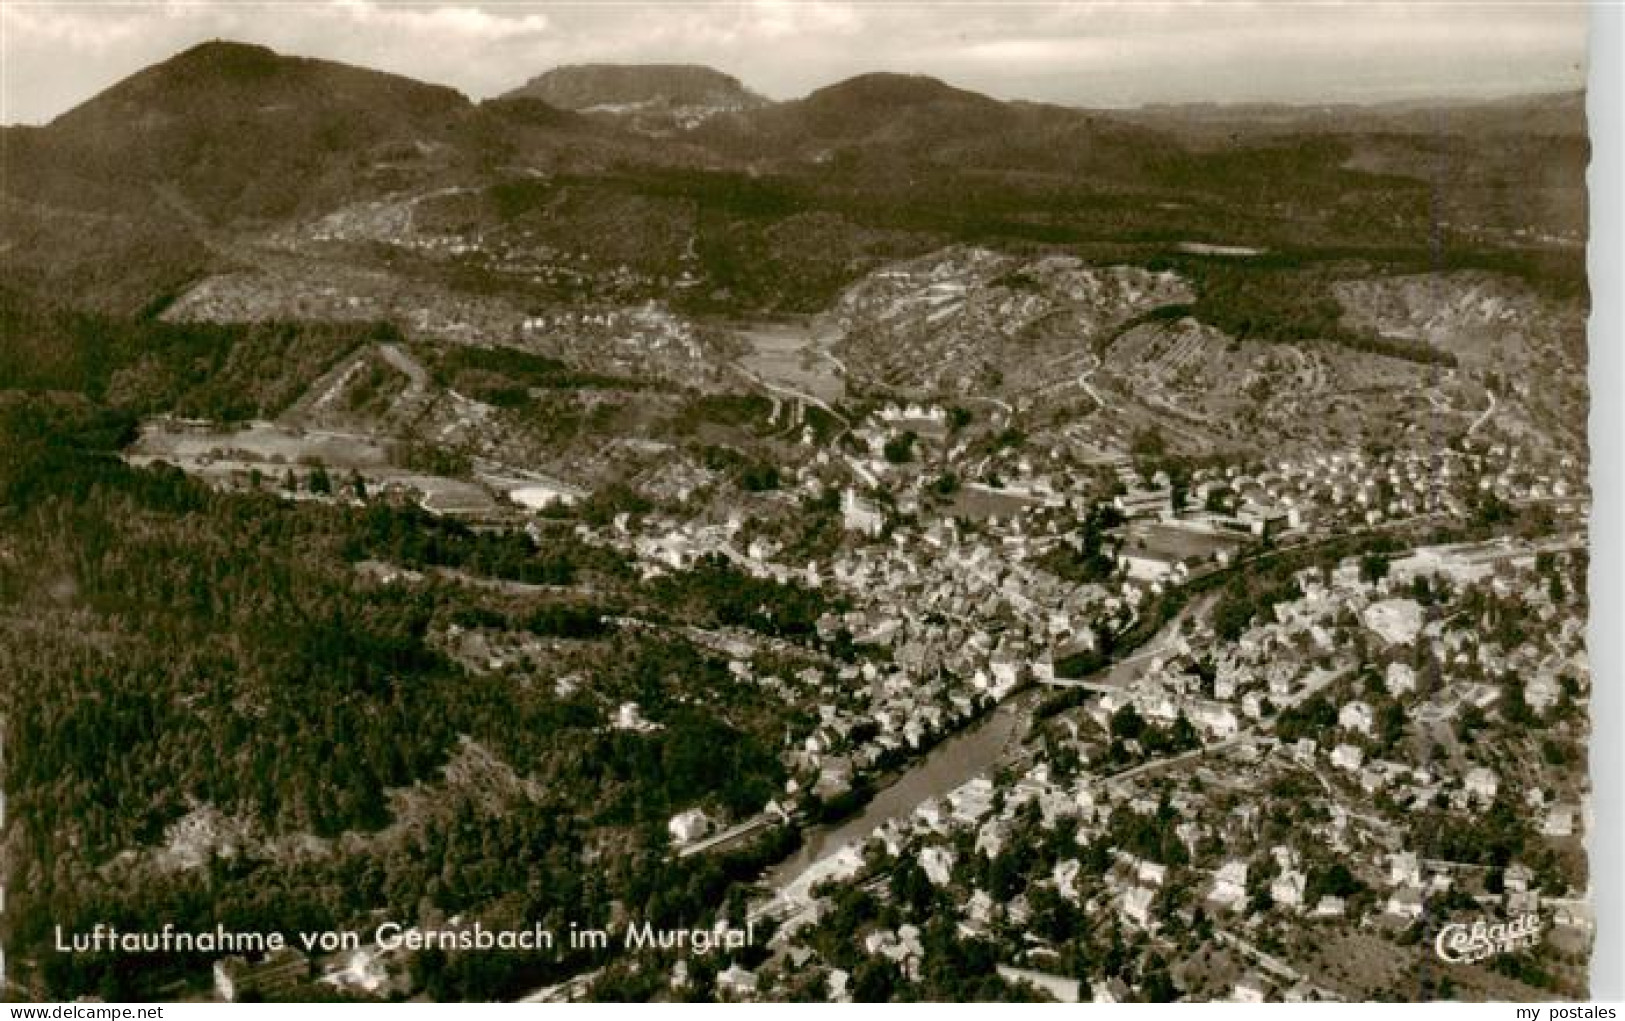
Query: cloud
<point x="64" y="29"/>
<point x="454" y="24"/>
<point x="1090" y="53"/>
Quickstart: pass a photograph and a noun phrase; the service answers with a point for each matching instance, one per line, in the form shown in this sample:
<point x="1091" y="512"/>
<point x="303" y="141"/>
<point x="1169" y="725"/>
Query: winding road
<point x="1485" y="417"/>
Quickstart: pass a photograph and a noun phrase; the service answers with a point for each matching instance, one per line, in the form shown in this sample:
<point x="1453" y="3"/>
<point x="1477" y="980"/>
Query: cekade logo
<point x="1460" y="943"/>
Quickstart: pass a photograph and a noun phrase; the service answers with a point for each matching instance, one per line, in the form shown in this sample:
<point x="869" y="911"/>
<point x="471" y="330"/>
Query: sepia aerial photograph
<point x="835" y="502"/>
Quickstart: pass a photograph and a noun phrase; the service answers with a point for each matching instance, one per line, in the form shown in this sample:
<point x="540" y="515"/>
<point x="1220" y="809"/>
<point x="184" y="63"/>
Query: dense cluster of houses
<point x="1306" y="649"/>
<point x="962" y="614"/>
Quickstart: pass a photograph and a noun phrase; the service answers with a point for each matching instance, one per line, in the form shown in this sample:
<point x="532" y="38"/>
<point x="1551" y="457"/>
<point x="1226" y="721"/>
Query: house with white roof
<point x="1399" y="679"/>
<point x="1356" y="716"/>
<point x="1481" y="785"/>
<point x="687" y="827"/>
<point x="1230" y="885"/>
<point x="1287" y="889"/>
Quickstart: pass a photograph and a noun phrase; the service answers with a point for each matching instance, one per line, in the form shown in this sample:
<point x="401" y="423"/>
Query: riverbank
<point x="956" y="760"/>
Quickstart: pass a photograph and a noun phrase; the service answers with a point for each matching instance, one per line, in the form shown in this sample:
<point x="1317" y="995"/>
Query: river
<point x="960" y="758"/>
<point x="972" y="752"/>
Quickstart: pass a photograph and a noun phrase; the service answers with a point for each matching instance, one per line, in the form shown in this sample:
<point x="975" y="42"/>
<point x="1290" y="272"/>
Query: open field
<point x="1183" y="543"/>
<point x="981" y="502"/>
<point x="794" y="353"/>
<point x="230" y="457"/>
<point x="261" y="443"/>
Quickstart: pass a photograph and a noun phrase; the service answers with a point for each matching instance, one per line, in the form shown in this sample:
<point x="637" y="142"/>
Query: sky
<point x="54" y="55"/>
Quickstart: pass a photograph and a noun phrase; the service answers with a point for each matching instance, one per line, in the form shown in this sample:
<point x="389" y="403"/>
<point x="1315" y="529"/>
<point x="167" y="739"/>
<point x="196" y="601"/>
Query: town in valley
<point x="1106" y="566"/>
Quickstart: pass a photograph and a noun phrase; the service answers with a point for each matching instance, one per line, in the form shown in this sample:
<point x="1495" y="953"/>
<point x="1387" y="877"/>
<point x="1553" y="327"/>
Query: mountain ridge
<point x="189" y="163"/>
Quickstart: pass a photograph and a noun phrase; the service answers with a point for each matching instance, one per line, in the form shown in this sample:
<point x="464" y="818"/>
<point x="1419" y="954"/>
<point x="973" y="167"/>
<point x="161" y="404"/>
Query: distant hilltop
<point x="620" y="88"/>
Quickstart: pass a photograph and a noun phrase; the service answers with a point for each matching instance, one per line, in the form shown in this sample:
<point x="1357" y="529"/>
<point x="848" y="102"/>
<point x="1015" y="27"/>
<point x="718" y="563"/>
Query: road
<point x="738" y="831"/>
<point x="321" y="394"/>
<point x="1485" y="417"/>
<point x="568" y="991"/>
<point x="1120" y="672"/>
<point x="799" y="395"/>
<point x="325" y="390"/>
<point x="409" y="366"/>
<point x="1088" y="388"/>
<point x="1274" y="965"/>
<point x="1080" y="380"/>
<point x="1244" y="737"/>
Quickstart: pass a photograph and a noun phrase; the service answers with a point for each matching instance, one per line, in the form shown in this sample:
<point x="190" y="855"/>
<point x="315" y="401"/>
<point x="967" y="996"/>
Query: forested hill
<point x="175" y="653"/>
